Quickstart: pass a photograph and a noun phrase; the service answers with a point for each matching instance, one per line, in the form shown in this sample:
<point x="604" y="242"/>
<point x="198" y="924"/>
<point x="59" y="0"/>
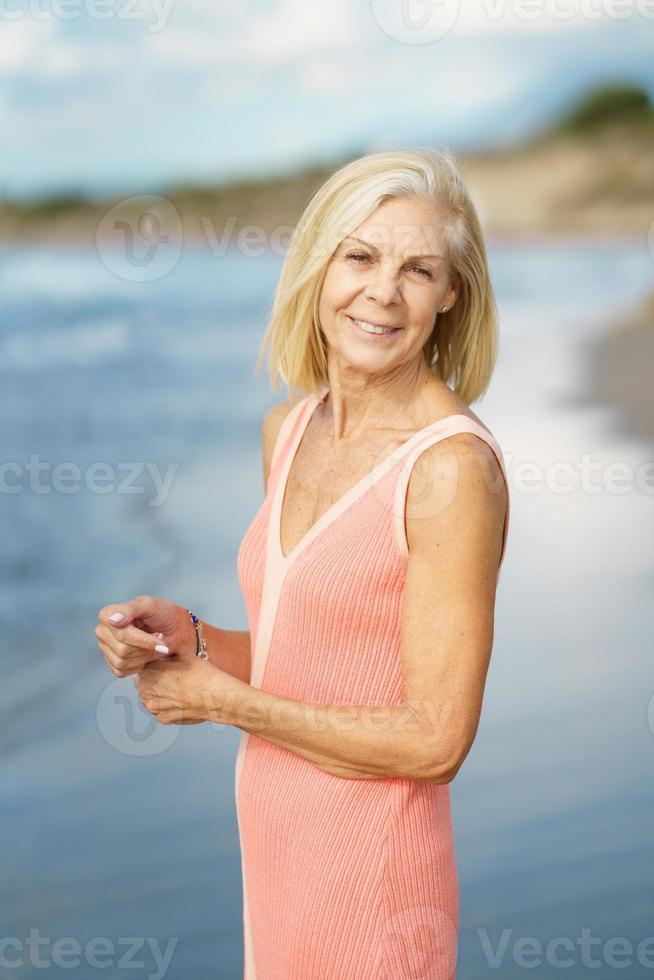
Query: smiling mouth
<point x="372" y="329"/>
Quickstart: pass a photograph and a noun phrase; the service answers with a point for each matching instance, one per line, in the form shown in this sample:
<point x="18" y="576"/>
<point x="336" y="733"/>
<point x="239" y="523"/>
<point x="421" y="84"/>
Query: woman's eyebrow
<point x="374" y="248"/>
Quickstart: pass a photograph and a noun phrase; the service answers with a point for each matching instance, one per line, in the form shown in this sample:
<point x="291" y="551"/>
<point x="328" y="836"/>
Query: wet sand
<point x="618" y="368"/>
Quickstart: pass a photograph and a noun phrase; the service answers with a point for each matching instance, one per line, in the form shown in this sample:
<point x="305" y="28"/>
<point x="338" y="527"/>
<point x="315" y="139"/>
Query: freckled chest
<point x="321" y="474"/>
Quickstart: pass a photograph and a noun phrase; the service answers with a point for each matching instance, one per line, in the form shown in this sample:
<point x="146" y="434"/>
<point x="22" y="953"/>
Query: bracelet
<point x="201" y="649"/>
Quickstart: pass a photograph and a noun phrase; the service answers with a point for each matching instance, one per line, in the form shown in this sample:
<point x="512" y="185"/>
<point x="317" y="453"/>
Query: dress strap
<point x="449" y="426"/>
<point x="288" y="430"/>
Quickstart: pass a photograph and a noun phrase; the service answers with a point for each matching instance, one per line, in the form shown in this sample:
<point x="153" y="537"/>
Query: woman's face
<point x="391" y="271"/>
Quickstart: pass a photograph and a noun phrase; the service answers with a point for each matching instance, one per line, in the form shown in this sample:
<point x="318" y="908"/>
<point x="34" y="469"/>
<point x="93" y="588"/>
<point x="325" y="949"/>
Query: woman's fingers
<point x="121" y="614"/>
<point x="130" y="648"/>
<point x="114" y="663"/>
<point x="132" y="636"/>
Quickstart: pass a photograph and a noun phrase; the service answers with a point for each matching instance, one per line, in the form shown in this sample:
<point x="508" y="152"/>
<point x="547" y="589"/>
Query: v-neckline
<point x="355" y="491"/>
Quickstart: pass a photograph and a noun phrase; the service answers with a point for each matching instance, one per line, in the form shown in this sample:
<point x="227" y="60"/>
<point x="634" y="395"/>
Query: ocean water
<point x="131" y="434"/>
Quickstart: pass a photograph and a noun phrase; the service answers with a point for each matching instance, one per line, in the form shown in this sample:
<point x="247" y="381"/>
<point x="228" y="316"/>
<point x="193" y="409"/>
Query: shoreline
<point x="617" y="369"/>
<point x="494" y="239"/>
<point x="583" y="187"/>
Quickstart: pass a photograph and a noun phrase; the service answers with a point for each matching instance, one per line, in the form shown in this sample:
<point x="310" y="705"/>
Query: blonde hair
<point x="462" y="348"/>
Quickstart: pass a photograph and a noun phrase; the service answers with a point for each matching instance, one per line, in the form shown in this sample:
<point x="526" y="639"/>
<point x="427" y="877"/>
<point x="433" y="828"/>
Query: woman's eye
<point x="360" y="257"/>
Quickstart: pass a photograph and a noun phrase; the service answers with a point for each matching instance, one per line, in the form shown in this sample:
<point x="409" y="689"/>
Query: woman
<point x="369" y="575"/>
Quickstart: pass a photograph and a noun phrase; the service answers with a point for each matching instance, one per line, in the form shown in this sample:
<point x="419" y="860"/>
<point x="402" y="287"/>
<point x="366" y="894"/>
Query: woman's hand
<point x="182" y="691"/>
<point x="146" y="623"/>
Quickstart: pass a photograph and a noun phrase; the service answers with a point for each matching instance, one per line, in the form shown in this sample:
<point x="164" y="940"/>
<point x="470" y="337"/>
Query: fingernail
<point x="116" y="617"/>
<point x="160" y="648"/>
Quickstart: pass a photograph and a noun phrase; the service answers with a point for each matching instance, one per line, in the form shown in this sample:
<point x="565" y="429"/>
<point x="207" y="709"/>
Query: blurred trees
<point x="608" y="103"/>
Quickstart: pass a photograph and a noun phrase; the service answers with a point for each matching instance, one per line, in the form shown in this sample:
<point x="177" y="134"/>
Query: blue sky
<point x="136" y="95"/>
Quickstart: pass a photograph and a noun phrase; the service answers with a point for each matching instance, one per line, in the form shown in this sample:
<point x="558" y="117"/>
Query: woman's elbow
<point x="441" y="766"/>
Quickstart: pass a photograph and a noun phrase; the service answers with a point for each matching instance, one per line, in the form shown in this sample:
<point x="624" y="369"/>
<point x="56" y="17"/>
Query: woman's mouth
<point x="372" y="330"/>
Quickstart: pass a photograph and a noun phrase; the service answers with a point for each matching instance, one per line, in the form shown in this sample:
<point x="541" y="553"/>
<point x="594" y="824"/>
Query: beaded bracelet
<point x="201" y="649"/>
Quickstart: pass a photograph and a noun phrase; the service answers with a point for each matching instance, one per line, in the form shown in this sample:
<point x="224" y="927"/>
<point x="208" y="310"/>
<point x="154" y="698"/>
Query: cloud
<point x="469" y="18"/>
<point x="22" y="41"/>
<point x="223" y="85"/>
<point x="298" y="29"/>
<point x="258" y="38"/>
<point x="186" y="48"/>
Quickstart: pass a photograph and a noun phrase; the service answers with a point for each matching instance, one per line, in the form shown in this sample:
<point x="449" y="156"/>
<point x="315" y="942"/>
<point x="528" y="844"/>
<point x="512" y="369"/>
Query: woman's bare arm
<point x="454" y="524"/>
<point x="227" y="649"/>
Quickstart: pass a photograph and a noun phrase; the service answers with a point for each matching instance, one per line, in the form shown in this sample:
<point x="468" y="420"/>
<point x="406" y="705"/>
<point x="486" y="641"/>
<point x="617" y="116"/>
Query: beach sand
<point x="618" y="367"/>
<point x="595" y="185"/>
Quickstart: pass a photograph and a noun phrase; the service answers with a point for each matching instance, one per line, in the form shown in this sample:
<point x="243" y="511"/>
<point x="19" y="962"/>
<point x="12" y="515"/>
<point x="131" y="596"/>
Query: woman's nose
<point x="383" y="287"/>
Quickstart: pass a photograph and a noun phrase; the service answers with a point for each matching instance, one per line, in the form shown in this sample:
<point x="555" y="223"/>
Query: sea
<point x="131" y="448"/>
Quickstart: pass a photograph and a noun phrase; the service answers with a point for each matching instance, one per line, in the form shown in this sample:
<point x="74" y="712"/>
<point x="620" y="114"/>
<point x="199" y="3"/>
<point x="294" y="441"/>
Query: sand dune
<point x="590" y="183"/>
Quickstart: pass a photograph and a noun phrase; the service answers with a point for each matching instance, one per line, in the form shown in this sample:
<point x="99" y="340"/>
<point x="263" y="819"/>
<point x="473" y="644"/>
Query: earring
<point x="444" y="310"/>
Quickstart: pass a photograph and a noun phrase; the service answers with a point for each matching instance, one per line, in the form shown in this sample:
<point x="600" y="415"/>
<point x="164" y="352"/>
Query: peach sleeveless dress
<point x="343" y="879"/>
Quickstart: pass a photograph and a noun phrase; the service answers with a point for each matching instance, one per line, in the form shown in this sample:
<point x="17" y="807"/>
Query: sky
<point x="131" y="96"/>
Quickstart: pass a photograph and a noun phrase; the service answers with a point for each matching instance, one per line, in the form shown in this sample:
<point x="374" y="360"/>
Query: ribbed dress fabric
<point x="343" y="878"/>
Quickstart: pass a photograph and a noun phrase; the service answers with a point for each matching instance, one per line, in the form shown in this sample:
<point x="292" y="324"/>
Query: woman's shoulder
<point x="275" y="417"/>
<point x="468" y="465"/>
<point x="476" y="442"/>
<point x="469" y="454"/>
<point x="273" y="422"/>
<point x="439" y="402"/>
